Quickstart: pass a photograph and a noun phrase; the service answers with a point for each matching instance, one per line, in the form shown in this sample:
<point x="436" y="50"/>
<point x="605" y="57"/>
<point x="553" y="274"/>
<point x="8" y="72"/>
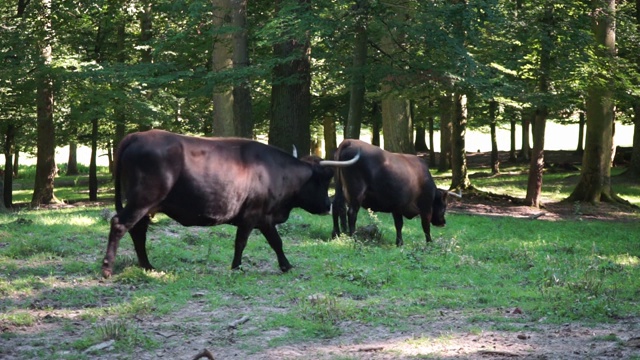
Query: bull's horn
<point x="458" y="194"/>
<point x="341" y="163"/>
<point x="295" y="152"/>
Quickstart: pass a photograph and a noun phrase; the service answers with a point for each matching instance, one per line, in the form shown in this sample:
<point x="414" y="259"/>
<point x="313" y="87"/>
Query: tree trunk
<point x="16" y="162"/>
<point x="93" y="169"/>
<point x="9" y="149"/>
<point x="46" y="167"/>
<point x="146" y="56"/>
<point x="421" y="139"/>
<point x="595" y="178"/>
<point x="536" y="164"/>
<point x="72" y="162"/>
<point x="432" y="149"/>
<point x="634" y="165"/>
<point x="446" y="111"/>
<point x="223" y="124"/>
<point x="376" y="124"/>
<point x="242" y="107"/>
<point x="580" y="147"/>
<point x="3" y="209"/>
<point x="459" y="172"/>
<point x="525" y="150"/>
<point x="357" y="92"/>
<point x="495" y="159"/>
<point x="512" y="149"/>
<point x="291" y="94"/>
<point x="396" y="124"/>
<point x="330" y="141"/>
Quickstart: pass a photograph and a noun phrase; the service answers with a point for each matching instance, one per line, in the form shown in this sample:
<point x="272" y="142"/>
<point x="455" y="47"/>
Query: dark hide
<point x="382" y="181"/>
<point x="211" y="181"/>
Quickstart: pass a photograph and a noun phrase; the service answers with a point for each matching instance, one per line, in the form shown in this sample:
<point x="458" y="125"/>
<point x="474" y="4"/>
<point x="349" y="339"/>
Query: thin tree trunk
<point x="9" y="149"/>
<point x="93" y="169"/>
<point x="119" y="106"/>
<point x="525" y="150"/>
<point x="242" y="107"/>
<point x="146" y="56"/>
<point x="46" y="167"/>
<point x="72" y="161"/>
<point x="495" y="159"/>
<point x="446" y="110"/>
<point x="580" y="147"/>
<point x="512" y="149"/>
<point x="330" y="141"/>
<point x="357" y="92"/>
<point x="376" y="124"/>
<point x="3" y="208"/>
<point x="634" y="165"/>
<point x="432" y="149"/>
<point x="459" y="172"/>
<point x="536" y="164"/>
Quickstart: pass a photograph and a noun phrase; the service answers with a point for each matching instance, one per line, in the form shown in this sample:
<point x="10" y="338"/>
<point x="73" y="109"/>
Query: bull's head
<point x="440" y="206"/>
<point x="315" y="193"/>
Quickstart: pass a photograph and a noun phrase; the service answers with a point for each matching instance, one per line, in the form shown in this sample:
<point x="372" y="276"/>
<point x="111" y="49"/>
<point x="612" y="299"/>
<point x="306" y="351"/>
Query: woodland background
<point x="296" y="72"/>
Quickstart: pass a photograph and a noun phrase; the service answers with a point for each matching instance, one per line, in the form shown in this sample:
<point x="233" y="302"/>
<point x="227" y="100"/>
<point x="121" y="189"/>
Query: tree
<point x="357" y="90"/>
<point x="242" y="107"/>
<point x="291" y="84"/>
<point x="594" y="185"/>
<point x="223" y="109"/>
<point x="46" y="169"/>
<point x="459" y="174"/>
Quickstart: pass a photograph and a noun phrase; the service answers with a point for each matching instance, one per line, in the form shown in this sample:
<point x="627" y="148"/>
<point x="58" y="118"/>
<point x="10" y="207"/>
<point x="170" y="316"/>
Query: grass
<point x="555" y="272"/>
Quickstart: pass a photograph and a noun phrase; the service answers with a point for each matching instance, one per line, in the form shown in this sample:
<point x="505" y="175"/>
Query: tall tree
<point x="595" y="177"/>
<point x="536" y="165"/>
<point x="459" y="173"/>
<point x="357" y="90"/>
<point x="242" y="107"/>
<point x="222" y="62"/>
<point x="45" y="167"/>
<point x="291" y="83"/>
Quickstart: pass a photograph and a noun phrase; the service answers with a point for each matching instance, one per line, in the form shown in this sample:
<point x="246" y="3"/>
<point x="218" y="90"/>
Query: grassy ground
<point x="482" y="278"/>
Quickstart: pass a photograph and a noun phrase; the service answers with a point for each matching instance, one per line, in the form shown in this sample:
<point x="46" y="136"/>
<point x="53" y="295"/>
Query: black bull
<point x="382" y="181"/>
<point x="212" y="181"/>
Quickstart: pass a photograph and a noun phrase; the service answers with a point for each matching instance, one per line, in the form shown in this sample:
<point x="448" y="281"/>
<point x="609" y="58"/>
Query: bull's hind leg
<point x="120" y="224"/>
<point x="242" y="235"/>
<point x="352" y="216"/>
<point x="271" y="233"/>
<point x="139" y="236"/>
<point x="398" y="221"/>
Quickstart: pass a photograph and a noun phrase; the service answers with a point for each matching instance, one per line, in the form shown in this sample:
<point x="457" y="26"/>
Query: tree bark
<point x="446" y="111"/>
<point x="525" y="150"/>
<point x="146" y="56"/>
<point x="357" y="92"/>
<point x="93" y="169"/>
<point x="242" y="107"/>
<point x="459" y="172"/>
<point x="291" y="93"/>
<point x="3" y="208"/>
<point x="9" y="149"/>
<point x="580" y="147"/>
<point x="45" y="167"/>
<point x="595" y="178"/>
<point x="432" y="149"/>
<point x="512" y="149"/>
<point x="72" y="161"/>
<point x="536" y="164"/>
<point x="223" y="109"/>
<point x="376" y="124"/>
<point x="495" y="159"/>
<point x="330" y="141"/>
<point x="634" y="165"/>
<point x="396" y="124"/>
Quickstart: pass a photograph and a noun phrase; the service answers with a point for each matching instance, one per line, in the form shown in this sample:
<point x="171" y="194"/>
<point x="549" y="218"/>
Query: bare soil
<point x="235" y="334"/>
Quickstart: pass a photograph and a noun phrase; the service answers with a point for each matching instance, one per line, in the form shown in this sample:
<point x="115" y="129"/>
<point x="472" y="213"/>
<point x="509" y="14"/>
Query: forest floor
<point x="450" y="336"/>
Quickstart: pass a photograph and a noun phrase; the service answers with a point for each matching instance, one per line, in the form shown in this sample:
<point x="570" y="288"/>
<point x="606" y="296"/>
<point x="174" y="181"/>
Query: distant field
<point x="559" y="137"/>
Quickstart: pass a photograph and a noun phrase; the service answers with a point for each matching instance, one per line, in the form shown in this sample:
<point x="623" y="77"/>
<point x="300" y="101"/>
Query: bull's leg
<point x="139" y="236"/>
<point x="242" y="235"/>
<point x="352" y="214"/>
<point x="426" y="225"/>
<point x="271" y="233"/>
<point x="337" y="212"/>
<point x="120" y="224"/>
<point x="398" y="222"/>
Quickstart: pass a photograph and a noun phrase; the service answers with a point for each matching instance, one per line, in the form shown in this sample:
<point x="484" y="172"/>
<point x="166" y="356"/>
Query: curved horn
<point x="458" y="194"/>
<point x="338" y="163"/>
<point x="295" y="152"/>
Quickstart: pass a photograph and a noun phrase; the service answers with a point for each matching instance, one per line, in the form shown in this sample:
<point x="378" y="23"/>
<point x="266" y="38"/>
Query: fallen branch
<point x="371" y="349"/>
<point x="498" y="353"/>
<point x="234" y="324"/>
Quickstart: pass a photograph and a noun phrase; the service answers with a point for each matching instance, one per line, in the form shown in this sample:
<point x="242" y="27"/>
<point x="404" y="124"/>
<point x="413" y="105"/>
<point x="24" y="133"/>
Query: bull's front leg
<point x="271" y="234"/>
<point x="242" y="235"/>
<point x="425" y="218"/>
<point x="398" y="222"/>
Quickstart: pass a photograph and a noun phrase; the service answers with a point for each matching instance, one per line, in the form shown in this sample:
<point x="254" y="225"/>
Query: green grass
<point x="555" y="271"/>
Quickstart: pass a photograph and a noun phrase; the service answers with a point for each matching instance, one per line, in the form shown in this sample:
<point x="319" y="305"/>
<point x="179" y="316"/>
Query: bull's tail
<point x="117" y="172"/>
